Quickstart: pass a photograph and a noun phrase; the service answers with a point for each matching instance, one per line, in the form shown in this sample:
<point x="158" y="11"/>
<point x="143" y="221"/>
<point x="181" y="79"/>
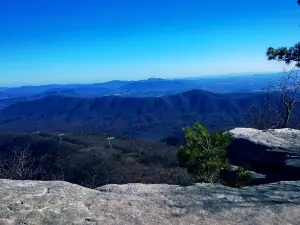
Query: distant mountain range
<point x="149" y="117"/>
<point x="153" y="87"/>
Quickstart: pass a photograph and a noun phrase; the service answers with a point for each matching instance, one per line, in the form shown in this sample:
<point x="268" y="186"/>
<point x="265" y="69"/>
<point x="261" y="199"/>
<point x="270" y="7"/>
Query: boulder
<point x="258" y="178"/>
<point x="274" y="152"/>
<point x="62" y="203"/>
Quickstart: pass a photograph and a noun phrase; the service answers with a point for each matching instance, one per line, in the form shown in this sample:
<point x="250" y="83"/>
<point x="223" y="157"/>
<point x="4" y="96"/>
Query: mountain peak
<point x="155" y="79"/>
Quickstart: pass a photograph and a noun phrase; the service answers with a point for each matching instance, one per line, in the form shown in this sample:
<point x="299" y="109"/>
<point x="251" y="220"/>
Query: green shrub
<point x="235" y="177"/>
<point x="204" y="154"/>
<point x="244" y="177"/>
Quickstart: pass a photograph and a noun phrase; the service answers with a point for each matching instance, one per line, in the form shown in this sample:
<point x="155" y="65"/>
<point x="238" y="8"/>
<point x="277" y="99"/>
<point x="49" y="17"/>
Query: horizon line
<point x="134" y="80"/>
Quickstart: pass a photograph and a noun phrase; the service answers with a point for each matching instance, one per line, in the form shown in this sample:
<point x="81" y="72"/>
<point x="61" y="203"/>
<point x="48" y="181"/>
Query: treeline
<point x="88" y="160"/>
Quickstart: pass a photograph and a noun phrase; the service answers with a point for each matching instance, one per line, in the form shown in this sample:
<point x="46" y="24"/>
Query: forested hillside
<point x="150" y="118"/>
<point x="88" y="160"/>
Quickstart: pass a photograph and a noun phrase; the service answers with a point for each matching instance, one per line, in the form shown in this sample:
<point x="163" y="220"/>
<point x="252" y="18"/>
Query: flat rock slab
<point x="285" y="139"/>
<point x="36" y="202"/>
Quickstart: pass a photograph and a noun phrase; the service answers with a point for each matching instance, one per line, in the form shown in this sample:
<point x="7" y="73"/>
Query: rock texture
<point x="35" y="202"/>
<point x="275" y="153"/>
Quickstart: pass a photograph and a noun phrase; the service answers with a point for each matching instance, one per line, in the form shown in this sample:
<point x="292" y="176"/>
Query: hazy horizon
<point x="222" y="76"/>
<point x="60" y="42"/>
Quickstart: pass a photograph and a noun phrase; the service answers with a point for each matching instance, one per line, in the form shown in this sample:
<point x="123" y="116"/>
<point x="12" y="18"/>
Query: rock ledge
<point x="37" y="202"/>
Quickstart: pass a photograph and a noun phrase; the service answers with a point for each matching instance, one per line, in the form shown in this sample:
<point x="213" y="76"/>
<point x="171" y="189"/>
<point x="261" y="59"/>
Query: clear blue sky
<point x="70" y="41"/>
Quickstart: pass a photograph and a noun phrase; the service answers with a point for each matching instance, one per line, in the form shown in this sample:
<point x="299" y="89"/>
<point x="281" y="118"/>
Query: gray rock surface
<point x="36" y="202"/>
<point x="275" y="152"/>
<point x="285" y="139"/>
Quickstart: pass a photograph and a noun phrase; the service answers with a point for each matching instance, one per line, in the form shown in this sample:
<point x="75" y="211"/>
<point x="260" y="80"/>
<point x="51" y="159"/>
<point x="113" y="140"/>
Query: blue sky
<point x="83" y="41"/>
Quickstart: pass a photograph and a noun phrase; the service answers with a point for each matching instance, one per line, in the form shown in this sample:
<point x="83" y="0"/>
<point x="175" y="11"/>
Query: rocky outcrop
<point x="275" y="153"/>
<point x="35" y="202"/>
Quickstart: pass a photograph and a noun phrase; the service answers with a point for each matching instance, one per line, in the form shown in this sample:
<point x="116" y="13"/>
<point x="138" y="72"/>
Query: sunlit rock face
<point x="34" y="202"/>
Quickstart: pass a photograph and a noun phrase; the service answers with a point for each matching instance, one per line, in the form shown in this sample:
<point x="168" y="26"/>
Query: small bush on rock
<point x="235" y="177"/>
<point x="204" y="154"/>
<point x="244" y="177"/>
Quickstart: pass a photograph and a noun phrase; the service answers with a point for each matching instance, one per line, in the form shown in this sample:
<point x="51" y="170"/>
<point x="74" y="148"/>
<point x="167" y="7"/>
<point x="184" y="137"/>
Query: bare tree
<point x="289" y="90"/>
<point x="265" y="113"/>
<point x="18" y="166"/>
<point x="288" y="87"/>
<point x="279" y="98"/>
